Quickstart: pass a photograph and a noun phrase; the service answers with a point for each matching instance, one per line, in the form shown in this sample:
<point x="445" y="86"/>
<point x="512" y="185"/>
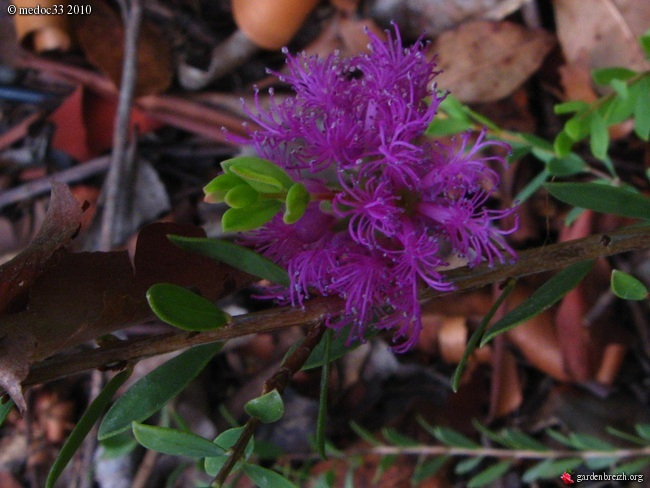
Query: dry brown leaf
<point x="485" y="61"/>
<point x="101" y="37"/>
<point x="62" y="301"/>
<point x="604" y="30"/>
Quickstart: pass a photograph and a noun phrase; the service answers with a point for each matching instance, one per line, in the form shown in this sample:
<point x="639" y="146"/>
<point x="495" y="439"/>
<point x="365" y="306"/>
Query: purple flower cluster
<point x="388" y="205"/>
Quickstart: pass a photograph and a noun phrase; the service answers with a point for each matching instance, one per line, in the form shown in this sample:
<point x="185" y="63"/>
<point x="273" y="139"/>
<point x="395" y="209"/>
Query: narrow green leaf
<point x="570" y="165"/>
<point x="440" y="126"/>
<point x="236" y="256"/>
<point x="175" y="442"/>
<point x="263" y="175"/>
<point x="364" y="434"/>
<point x="242" y="196"/>
<point x="478" y="333"/>
<point x="321" y="422"/>
<point x="604" y="76"/>
<point x="621" y="88"/>
<point x="5" y="408"/>
<point x="550" y="468"/>
<point x="216" y="190"/>
<point x="251" y="217"/>
<point x="533" y="186"/>
<point x="589" y="442"/>
<point x="394" y="437"/>
<point x="599" y="142"/>
<point x="150" y="393"/>
<point x="576" y="128"/>
<point x="467" y="465"/>
<point x="184" y="309"/>
<point x="268" y="408"/>
<point x="537" y="142"/>
<point x="384" y="463"/>
<point x="226" y="440"/>
<point x="452" y="438"/>
<point x="338" y="348"/>
<point x="491" y="474"/>
<point x="570" y="107"/>
<point x="642" y="110"/>
<point x="266" y="478"/>
<point x="85" y="423"/>
<point x="602" y="198"/>
<point x="453" y="107"/>
<point x="600" y="462"/>
<point x="643" y="430"/>
<point x="118" y="445"/>
<point x="427" y="469"/>
<point x="516" y="439"/>
<point x="616" y="109"/>
<point x="296" y="203"/>
<point x="644" y="40"/>
<point x="625" y="435"/>
<point x="633" y="467"/>
<point x="561" y="438"/>
<point x="627" y="287"/>
<point x="544" y="297"/>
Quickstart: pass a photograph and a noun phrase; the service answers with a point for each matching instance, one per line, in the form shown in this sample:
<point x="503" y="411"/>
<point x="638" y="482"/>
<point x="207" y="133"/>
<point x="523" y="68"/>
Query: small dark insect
<point x="354" y="73"/>
<point x="605" y="240"/>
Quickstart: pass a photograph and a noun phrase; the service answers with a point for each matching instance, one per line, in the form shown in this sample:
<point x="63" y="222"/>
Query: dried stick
<point x="132" y="16"/>
<point x="278" y="381"/>
<point x="538" y="260"/>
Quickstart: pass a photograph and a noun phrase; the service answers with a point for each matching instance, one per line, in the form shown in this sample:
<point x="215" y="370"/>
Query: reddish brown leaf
<point x="101" y="37"/>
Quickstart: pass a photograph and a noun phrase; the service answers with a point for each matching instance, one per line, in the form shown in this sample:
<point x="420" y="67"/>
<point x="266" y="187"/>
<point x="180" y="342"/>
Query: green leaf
<point x="519" y="440"/>
<point x="175" y="442"/>
<point x="84" y="425"/>
<point x="321" y="421"/>
<point x="589" y="442"/>
<point x="440" y="127"/>
<point x="570" y="165"/>
<point x="570" y="107"/>
<point x="241" y="196"/>
<point x="427" y="469"/>
<point x="625" y="435"/>
<point x="642" y="110"/>
<point x="266" y="478"/>
<point x="577" y="127"/>
<point x="249" y="218"/>
<point x="268" y="408"/>
<point x="236" y="256"/>
<point x="620" y="87"/>
<point x="616" y="109"/>
<point x="453" y="438"/>
<point x="454" y="108"/>
<point x="118" y="445"/>
<point x="263" y="175"/>
<point x="491" y="474"/>
<point x="563" y="144"/>
<point x="627" y="287"/>
<point x="364" y="434"/>
<point x="550" y="468"/>
<point x="394" y="437"/>
<point x="600" y="462"/>
<point x="296" y="203"/>
<point x="468" y="465"/>
<point x="644" y="40"/>
<point x="643" y="430"/>
<point x="476" y="335"/>
<point x="226" y="440"/>
<point x="602" y="198"/>
<point x="150" y="393"/>
<point x="338" y="348"/>
<point x="544" y="297"/>
<point x="184" y="309"/>
<point x="215" y="191"/>
<point x="599" y="142"/>
<point x="5" y="408"/>
<point x="533" y="186"/>
<point x="604" y="76"/>
<point x="559" y="437"/>
<point x="633" y="467"/>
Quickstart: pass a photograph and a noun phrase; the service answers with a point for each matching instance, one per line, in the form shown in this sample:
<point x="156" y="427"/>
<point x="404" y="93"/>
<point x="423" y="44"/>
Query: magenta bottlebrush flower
<point x="388" y="205"/>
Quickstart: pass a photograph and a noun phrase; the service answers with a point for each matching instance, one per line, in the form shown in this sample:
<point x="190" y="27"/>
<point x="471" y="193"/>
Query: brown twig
<point x="132" y="16"/>
<point x="279" y="382"/>
<point x="539" y="260"/>
<point x="42" y="185"/>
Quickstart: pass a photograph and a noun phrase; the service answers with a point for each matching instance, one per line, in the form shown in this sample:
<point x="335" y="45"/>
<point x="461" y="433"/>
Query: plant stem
<point x="543" y="259"/>
<point x="279" y="382"/>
